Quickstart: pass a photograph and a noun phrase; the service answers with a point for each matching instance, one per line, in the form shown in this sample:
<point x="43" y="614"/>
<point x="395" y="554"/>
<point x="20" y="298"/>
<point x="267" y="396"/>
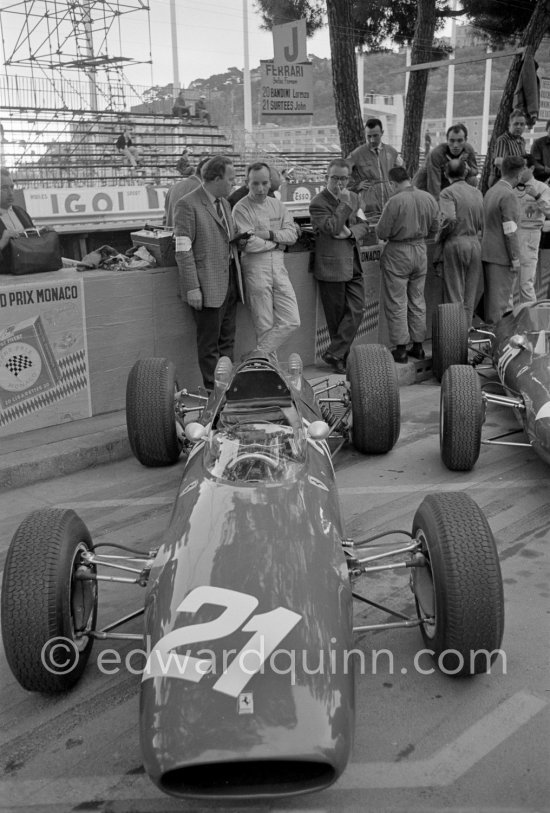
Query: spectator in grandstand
<point x="338" y="225"/>
<point x="181" y="109"/>
<point x="184" y="162"/>
<point x="540" y="151"/>
<point x="201" y="110"/>
<point x="13" y="219"/>
<point x="269" y="292"/>
<point x="509" y="143"/>
<point x="125" y="146"/>
<point x="456" y="146"/>
<point x="370" y="164"/>
<point x="191" y="180"/>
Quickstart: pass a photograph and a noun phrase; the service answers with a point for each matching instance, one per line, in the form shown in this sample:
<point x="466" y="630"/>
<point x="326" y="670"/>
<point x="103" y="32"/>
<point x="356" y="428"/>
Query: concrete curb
<point x="23" y="467"/>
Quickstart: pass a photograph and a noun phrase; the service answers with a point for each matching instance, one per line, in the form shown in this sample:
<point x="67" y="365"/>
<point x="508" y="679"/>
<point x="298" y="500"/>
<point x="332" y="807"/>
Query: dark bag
<point x="34" y="252"/>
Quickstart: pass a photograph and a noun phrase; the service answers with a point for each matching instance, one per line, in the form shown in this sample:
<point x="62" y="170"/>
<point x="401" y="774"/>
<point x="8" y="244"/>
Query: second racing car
<point x="518" y="349"/>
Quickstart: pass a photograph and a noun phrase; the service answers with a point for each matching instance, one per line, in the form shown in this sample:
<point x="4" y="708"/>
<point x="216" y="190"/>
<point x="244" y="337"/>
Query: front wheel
<point x="461" y="416"/>
<point x="458" y="591"/>
<point x="375" y="403"/>
<point x="49" y="601"/>
<point x="150" y="412"/>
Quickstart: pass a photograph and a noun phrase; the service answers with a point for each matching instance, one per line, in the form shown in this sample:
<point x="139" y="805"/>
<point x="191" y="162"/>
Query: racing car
<point x="518" y="349"/>
<point x="248" y="688"/>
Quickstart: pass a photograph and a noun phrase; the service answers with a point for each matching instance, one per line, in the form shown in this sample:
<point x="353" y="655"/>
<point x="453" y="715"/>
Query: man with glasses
<point x="370" y="164"/>
<point x="339" y="224"/>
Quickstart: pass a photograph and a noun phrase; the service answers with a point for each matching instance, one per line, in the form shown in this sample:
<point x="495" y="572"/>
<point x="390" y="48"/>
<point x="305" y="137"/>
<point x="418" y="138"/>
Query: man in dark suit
<point x="208" y="266"/>
<point x="338" y="225"/>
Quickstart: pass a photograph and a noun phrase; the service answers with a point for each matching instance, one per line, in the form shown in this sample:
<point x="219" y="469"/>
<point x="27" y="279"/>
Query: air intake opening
<point x="244" y="779"/>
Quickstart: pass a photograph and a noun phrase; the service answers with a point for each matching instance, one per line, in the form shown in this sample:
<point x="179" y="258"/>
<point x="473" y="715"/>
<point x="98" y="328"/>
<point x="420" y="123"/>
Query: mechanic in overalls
<point x="409" y="218"/>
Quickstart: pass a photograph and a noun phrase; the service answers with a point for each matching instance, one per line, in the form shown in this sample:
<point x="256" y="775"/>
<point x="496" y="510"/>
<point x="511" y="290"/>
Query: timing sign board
<point x="287" y="90"/>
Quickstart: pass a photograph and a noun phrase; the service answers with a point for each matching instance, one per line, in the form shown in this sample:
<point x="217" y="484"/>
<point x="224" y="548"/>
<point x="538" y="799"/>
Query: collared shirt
<point x="505" y="145"/>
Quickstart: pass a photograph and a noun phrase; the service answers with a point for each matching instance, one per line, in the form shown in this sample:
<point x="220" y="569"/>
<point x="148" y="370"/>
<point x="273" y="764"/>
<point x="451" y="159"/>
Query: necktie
<point x="221" y="214"/>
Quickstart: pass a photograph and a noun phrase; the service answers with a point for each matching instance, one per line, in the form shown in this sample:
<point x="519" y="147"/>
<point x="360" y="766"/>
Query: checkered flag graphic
<point x="74" y="379"/>
<point x="17" y="363"/>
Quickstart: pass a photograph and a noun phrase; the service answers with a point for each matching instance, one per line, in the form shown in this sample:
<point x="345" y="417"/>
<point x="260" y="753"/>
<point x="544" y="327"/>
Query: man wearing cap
<point x="201" y="111"/>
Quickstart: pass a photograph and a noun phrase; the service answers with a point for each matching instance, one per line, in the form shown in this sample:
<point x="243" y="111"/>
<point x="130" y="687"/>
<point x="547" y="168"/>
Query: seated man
<point x="180" y="108"/>
<point x="125" y="145"/>
<point x="201" y="111"/>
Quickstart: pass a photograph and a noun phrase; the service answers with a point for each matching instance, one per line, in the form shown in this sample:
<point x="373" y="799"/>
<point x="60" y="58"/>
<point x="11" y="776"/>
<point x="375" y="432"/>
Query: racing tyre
<point x="460" y="588"/>
<point x="47" y="612"/>
<point x="461" y="415"/>
<point x="375" y="404"/>
<point x="449" y="338"/>
<point x="150" y="412"/>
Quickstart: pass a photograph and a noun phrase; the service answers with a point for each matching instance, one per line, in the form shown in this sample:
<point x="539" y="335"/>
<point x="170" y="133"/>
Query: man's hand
<point x="344" y="195"/>
<point x="531" y="191"/>
<point x="194" y="299"/>
<point x="515" y="265"/>
<point x="364" y="185"/>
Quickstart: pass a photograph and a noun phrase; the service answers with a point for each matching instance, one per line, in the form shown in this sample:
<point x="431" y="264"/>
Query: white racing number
<point x="269" y="630"/>
<point x="508" y="353"/>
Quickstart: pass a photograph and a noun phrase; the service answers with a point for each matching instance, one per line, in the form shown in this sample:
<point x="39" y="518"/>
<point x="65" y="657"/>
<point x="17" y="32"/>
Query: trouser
<point x="216" y="332"/>
<point x="343" y="304"/>
<point x="499" y="281"/>
<point x="462" y="271"/>
<point x="271" y="300"/>
<point x="403" y="267"/>
<point x="523" y="289"/>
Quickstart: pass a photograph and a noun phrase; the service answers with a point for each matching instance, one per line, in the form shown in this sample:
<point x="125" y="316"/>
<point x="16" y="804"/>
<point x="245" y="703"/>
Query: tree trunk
<point x="422" y="51"/>
<point x="531" y="39"/>
<point x="344" y="75"/>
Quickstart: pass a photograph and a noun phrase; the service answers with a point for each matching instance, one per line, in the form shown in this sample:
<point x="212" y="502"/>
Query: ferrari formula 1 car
<point x="518" y="348"/>
<point x="248" y="689"/>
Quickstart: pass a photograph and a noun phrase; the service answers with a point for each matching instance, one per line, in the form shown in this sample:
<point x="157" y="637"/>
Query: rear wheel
<point x="459" y="591"/>
<point x="150" y="412"/>
<point x="375" y="404"/>
<point x="461" y="416"/>
<point x="449" y="337"/>
<point x="49" y="601"/>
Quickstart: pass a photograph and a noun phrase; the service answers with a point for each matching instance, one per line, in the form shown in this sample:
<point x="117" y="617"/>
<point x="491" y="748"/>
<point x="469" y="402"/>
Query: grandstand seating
<point x="77" y="148"/>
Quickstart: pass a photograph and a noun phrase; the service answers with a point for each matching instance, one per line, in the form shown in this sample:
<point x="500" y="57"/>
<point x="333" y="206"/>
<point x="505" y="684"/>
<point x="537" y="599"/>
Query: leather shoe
<point x="334" y="362"/>
<point x="417" y="351"/>
<point x="400" y="355"/>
